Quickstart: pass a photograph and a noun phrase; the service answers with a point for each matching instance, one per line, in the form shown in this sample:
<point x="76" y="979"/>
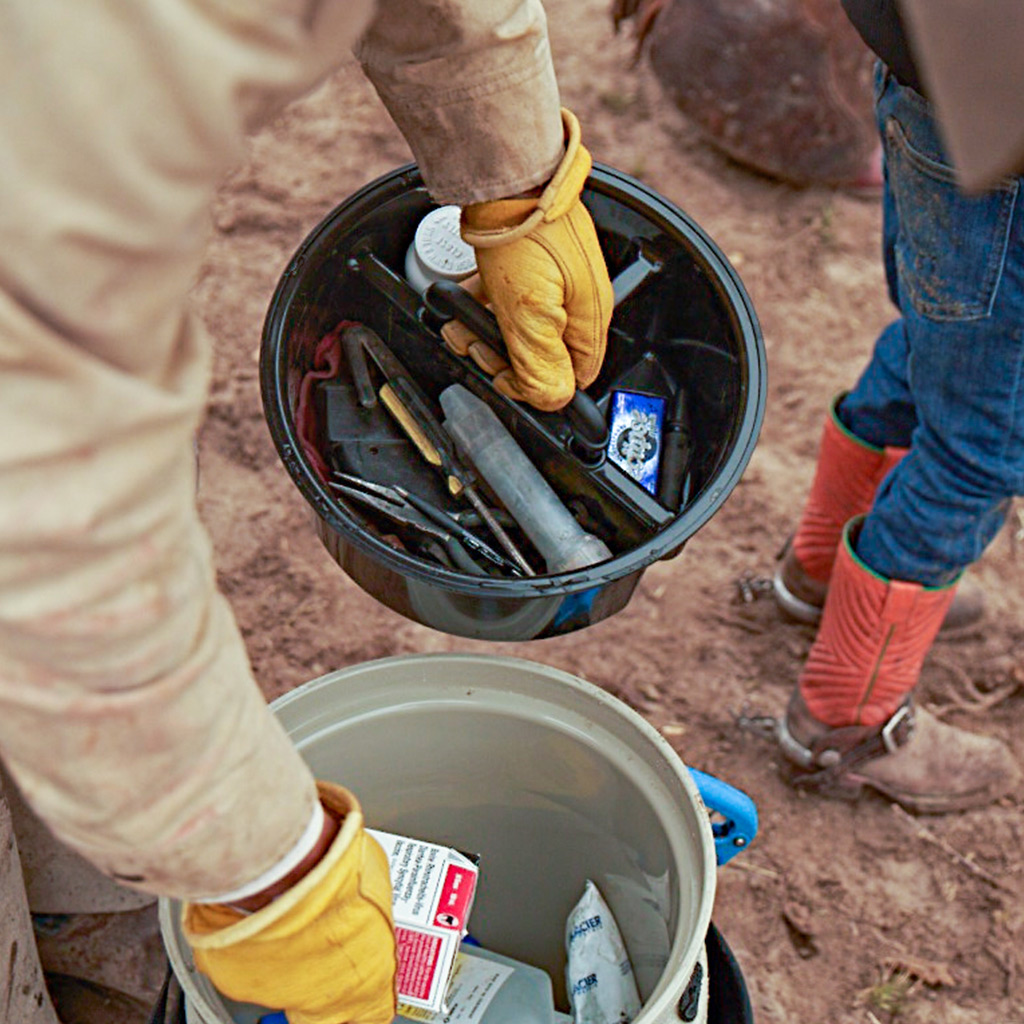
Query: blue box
<point x="634" y="435"/>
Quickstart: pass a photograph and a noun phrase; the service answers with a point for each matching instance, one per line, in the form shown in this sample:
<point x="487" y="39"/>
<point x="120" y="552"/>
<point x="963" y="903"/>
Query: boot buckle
<point x="897" y="730"/>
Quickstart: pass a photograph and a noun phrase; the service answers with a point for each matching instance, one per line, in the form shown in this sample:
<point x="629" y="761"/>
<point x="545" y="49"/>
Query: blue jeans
<point x="946" y="379"/>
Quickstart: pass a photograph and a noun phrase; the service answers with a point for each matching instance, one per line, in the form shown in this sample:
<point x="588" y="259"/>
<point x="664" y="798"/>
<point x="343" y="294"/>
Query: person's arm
<point x="129" y="716"/>
<point x="969" y="52"/>
<point x="128" y="713"/>
<point x="472" y="86"/>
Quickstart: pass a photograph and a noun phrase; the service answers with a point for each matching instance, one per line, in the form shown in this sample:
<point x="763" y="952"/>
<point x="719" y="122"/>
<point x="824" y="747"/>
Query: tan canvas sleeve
<point x="473" y="89"/>
<point x="128" y="713"/>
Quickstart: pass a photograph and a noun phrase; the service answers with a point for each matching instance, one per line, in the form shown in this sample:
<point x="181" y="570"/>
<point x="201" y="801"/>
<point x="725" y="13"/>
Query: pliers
<point x="394" y="503"/>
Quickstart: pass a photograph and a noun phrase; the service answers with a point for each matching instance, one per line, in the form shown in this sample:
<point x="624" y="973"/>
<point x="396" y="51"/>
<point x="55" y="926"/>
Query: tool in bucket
<point x="449" y="300"/>
<point x="677" y="452"/>
<point x="406" y="402"/>
<point x="626" y="510"/>
<point x="483" y="439"/>
<point x="409" y="509"/>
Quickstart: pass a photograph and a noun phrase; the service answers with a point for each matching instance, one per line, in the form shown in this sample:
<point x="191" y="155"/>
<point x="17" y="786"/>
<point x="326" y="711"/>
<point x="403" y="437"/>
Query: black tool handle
<point x="450" y="300"/>
<point x="462" y="559"/>
<point x="355" y="354"/>
<point x="676" y="452"/>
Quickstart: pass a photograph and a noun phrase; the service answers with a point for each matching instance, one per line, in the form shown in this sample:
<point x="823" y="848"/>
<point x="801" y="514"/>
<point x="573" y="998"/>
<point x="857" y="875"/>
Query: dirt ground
<point x="838" y="913"/>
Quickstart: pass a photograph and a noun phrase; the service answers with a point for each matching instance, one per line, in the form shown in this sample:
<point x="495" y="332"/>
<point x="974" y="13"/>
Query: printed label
<point x="433" y="889"/>
<point x="634" y="439"/>
<point x="473" y="987"/>
<point x="418" y="956"/>
<point x="456" y="896"/>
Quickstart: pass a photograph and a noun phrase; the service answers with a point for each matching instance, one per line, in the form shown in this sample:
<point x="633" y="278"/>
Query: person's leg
<point x="866" y="432"/>
<point x="960" y="274"/>
<point x="879" y="410"/>
<point x="959" y="359"/>
<point x="23" y="995"/>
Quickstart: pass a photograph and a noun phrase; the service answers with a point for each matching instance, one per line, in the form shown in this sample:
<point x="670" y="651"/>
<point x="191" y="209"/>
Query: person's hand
<point x="544" y="276"/>
<point x="324" y="950"/>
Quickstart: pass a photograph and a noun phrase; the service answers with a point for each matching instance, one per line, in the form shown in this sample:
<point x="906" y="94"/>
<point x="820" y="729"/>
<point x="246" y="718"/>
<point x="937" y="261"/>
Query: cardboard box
<point x="434" y="887"/>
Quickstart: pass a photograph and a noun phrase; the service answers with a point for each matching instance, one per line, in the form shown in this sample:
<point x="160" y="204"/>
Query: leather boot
<point x="850" y="722"/>
<point x="846" y="478"/>
<point x="913" y="759"/>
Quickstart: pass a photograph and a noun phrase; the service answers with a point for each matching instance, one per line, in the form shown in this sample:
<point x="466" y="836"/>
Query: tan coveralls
<point x="129" y="716"/>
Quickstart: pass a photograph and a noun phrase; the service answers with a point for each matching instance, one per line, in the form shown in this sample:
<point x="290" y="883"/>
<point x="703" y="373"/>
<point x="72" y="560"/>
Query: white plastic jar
<point x="437" y="252"/>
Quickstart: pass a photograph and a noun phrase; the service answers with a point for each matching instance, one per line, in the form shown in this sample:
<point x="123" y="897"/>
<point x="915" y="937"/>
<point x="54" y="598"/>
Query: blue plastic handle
<point x="736" y="831"/>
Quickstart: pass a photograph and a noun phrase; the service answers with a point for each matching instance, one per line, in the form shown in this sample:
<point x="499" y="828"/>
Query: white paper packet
<point x="598" y="976"/>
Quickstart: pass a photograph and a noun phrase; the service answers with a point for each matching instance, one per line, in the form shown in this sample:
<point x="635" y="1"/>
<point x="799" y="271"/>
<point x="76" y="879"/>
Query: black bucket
<point x="685" y="319"/>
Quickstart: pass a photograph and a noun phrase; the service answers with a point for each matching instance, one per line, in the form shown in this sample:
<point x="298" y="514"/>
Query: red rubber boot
<point x="850" y="723"/>
<point x="846" y="477"/>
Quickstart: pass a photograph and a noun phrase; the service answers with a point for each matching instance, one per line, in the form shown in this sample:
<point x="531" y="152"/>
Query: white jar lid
<point x="438" y="251"/>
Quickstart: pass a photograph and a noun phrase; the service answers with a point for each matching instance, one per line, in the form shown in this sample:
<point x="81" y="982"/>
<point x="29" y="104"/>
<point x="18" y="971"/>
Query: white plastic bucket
<point x="548" y="778"/>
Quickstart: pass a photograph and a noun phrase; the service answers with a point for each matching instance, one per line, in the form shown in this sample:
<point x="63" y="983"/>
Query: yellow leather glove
<point x="324" y="950"/>
<point x="545" y="278"/>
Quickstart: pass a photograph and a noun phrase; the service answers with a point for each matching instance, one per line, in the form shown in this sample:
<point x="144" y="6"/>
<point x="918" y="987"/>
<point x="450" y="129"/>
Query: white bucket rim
<point x="686" y="951"/>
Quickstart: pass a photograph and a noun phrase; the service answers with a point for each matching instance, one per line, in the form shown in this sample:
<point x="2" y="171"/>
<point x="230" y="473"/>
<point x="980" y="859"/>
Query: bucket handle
<point x="738" y="813"/>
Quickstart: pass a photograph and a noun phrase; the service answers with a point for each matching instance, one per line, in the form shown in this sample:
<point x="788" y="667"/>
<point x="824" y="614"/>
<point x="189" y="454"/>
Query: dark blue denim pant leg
<point x="947" y="377"/>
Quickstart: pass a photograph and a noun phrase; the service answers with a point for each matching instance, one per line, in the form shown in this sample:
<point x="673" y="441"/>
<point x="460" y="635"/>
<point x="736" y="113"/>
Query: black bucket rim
<point x="605" y="180"/>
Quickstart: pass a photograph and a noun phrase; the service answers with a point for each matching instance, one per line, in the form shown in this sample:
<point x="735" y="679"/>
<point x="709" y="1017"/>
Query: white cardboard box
<point x="433" y="889"/>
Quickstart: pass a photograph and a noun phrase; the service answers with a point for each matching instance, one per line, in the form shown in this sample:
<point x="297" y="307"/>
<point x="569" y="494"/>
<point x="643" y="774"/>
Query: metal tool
<point x="627" y="510"/>
<point x="629" y="279"/>
<point x="389" y="502"/>
<point x="466" y="536"/>
<point x="355" y="354"/>
<point x="404" y="399"/>
<point x="469" y="517"/>
<point x="449" y="299"/>
<point x="520" y="486"/>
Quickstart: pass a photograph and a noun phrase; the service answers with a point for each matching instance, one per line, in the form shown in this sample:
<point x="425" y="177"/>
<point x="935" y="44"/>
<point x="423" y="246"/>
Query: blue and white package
<point x="598" y="974"/>
<point x="634" y="436"/>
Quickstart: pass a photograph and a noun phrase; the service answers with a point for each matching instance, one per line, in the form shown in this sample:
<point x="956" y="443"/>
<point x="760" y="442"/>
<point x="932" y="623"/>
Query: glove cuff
<point x="494" y="223"/>
<point x="215" y="926"/>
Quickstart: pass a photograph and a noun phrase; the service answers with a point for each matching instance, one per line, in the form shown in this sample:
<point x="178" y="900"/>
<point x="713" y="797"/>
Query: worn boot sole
<point x="851" y="788"/>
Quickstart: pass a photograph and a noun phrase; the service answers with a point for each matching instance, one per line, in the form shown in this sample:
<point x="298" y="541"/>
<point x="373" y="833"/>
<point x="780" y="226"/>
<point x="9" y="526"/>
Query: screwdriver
<point x="402" y="397"/>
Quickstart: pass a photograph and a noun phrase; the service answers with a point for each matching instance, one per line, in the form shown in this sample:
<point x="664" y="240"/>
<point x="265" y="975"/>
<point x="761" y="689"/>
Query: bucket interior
<point x="687" y="325"/>
<point x="549" y="780"/>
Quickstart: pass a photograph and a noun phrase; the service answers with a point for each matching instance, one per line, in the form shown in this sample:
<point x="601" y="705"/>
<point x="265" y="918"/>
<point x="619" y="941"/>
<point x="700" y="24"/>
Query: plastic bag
<point x="599" y="976"/>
